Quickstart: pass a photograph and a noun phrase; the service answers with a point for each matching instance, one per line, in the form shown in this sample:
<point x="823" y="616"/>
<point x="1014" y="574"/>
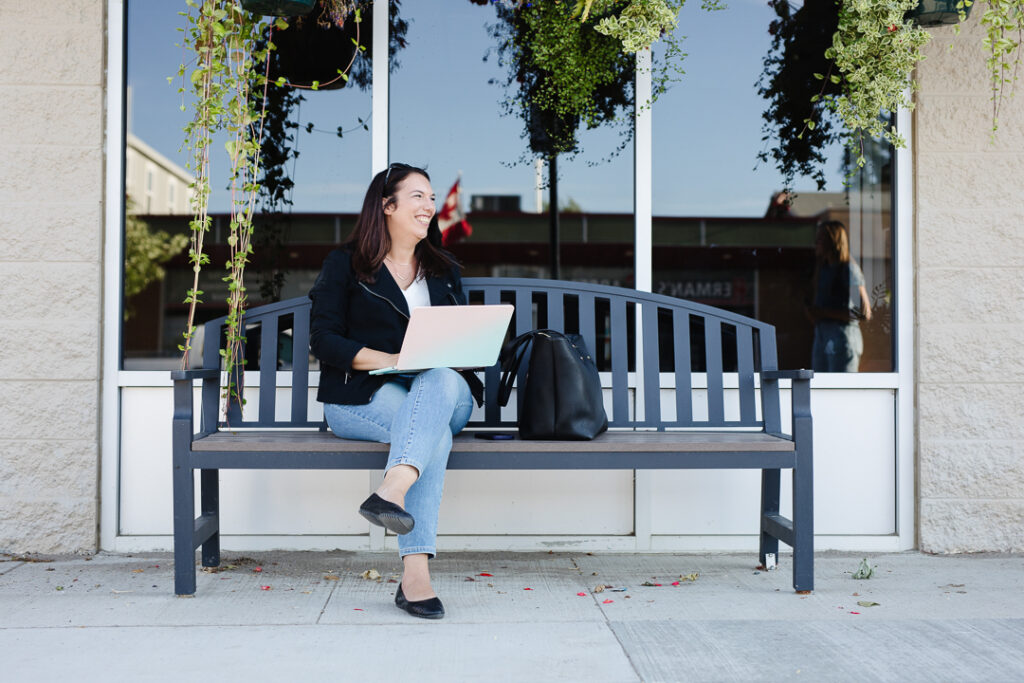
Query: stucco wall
<point x="51" y="231"/>
<point x="969" y="303"/>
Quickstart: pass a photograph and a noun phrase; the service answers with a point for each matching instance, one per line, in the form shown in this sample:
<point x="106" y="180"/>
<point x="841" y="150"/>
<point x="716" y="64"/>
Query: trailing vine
<point x="1003" y="21"/>
<point x="874" y="51"/>
<point x="229" y="83"/>
<point x="223" y="38"/>
<point x="245" y="124"/>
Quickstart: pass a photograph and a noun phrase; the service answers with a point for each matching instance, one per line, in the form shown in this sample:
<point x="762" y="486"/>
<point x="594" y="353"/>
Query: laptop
<point x="452" y="337"/>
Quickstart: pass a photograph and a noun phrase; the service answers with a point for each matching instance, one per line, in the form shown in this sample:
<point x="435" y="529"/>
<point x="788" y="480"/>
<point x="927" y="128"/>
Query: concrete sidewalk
<point x="536" y="617"/>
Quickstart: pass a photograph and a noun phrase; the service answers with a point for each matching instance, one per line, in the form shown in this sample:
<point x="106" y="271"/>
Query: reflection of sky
<point x="445" y="115"/>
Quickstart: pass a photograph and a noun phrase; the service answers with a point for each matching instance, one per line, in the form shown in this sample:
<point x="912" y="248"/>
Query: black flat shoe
<point x="431" y="608"/>
<point x="388" y="515"/>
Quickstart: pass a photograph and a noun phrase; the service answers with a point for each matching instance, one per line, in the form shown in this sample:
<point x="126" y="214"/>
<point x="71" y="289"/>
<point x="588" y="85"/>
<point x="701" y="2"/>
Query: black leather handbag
<point x="561" y="391"/>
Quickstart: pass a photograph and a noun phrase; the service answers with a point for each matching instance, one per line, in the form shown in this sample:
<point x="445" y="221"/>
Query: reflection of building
<point x="154" y="183"/>
<point x="751" y="266"/>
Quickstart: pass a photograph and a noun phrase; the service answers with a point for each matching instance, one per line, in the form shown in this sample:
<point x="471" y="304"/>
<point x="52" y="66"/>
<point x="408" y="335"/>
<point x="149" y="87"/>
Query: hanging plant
<point x="639" y="24"/>
<point x="223" y="37"/>
<point x="1004" y="34"/>
<point x="874" y="52"/>
<point x="561" y="74"/>
<point x="229" y="83"/>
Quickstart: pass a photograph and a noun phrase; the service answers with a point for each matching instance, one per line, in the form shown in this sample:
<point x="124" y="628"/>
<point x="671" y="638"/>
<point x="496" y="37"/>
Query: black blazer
<point x="348" y="315"/>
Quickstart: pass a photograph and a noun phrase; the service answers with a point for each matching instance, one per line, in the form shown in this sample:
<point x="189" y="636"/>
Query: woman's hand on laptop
<point x="368" y="359"/>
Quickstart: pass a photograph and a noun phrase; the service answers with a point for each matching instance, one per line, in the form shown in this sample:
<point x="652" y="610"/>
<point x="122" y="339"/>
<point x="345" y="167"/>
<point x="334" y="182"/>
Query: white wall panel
<point x="854" y="485"/>
<point x="854" y="476"/>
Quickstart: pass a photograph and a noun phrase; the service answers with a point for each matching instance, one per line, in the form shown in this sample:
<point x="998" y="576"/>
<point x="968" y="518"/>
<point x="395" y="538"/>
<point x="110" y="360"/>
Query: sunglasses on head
<point x="391" y="168"/>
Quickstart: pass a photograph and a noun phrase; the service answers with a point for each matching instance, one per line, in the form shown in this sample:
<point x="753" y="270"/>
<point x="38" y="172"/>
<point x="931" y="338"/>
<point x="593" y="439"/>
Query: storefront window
<point x="725" y="235"/>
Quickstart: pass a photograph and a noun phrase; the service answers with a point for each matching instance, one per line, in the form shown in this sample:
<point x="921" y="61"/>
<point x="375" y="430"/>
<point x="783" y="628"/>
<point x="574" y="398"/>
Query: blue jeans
<point x="837" y="346"/>
<point x="418" y="417"/>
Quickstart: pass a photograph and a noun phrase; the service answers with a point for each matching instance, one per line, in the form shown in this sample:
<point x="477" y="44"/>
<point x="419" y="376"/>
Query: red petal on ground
<point x="608" y="602"/>
<point x="582" y="595"/>
<point x="484" y="574"/>
<point x="527" y="589"/>
<point x="264" y="588"/>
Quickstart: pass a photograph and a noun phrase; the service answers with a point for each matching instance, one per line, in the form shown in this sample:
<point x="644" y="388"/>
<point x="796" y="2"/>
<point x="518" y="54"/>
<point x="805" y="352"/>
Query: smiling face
<point x="409" y="213"/>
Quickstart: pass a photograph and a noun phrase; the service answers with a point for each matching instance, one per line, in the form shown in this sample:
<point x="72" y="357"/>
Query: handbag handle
<point x="512" y="357"/>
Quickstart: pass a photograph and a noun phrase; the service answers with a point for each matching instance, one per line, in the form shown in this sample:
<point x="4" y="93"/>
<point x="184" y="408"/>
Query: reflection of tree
<point x="561" y="74"/>
<point x="144" y="252"/>
<point x="788" y="82"/>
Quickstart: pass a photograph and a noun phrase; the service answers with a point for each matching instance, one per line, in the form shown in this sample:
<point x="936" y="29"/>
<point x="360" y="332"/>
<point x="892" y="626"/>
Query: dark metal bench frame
<point x="633" y="441"/>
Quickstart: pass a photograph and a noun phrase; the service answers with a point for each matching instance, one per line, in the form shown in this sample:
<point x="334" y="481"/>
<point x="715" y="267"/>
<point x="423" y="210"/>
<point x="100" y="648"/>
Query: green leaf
<point x="280" y="82"/>
<point x="864" y="570"/>
<point x="315" y="85"/>
<point x="868" y="603"/>
<point x="280" y="24"/>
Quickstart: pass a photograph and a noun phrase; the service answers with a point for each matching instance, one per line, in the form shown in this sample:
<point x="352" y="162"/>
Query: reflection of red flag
<point x="450" y="218"/>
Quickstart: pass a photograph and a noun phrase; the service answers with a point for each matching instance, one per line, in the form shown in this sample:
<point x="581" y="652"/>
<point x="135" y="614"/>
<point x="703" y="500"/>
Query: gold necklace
<point x="401" y="277"/>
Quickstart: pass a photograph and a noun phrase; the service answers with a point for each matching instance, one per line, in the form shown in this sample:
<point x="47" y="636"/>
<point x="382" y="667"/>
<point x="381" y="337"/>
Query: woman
<point x="361" y="304"/>
<point x="840" y="302"/>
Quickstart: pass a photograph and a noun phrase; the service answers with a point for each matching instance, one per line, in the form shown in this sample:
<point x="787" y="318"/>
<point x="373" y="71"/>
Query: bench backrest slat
<point x="603" y="316"/>
<point x="300" y="364"/>
<point x="713" y="359"/>
<point x="620" y="358"/>
<point x="651" y="366"/>
<point x="745" y="371"/>
<point x="683" y="363"/>
<point x="556" y="311"/>
<point x="268" y="367"/>
<point x="587" y="326"/>
<point x="770" y="390"/>
<point x="492" y="376"/>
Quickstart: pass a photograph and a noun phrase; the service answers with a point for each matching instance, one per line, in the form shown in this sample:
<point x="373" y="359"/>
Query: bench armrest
<point x="198" y="373"/>
<point x="786" y="374"/>
<point x="183" y="414"/>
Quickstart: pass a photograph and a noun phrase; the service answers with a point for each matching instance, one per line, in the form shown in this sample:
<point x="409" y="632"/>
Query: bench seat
<point x="259" y="449"/>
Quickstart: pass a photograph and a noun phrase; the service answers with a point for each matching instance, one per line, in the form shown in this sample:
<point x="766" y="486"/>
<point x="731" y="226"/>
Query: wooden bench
<point x="647" y="338"/>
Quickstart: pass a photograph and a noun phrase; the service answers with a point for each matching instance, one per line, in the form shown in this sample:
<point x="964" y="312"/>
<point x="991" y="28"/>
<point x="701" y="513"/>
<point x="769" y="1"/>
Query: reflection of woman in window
<point x="840" y="302"/>
<point x="361" y="305"/>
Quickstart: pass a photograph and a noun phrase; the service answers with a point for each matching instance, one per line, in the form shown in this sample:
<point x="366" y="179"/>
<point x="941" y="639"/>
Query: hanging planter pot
<point x="937" y="12"/>
<point x="279" y="8"/>
<point x="314" y="50"/>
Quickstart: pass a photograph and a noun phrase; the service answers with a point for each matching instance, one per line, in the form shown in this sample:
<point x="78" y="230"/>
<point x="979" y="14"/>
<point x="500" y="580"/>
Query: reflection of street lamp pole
<point x="553" y="214"/>
<point x="538" y="187"/>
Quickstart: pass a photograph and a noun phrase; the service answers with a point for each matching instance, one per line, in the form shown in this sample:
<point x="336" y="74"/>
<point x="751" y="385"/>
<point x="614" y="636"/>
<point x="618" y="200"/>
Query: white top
<point x="417" y="293"/>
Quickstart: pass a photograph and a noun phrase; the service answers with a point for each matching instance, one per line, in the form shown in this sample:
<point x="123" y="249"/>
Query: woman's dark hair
<point x="370" y="241"/>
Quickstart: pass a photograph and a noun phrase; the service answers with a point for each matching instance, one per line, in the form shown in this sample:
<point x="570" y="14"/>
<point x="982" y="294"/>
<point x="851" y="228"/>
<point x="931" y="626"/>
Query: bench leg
<point x="803" y="529"/>
<point x="184" y="526"/>
<point x="770" y="494"/>
<point x="209" y="481"/>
